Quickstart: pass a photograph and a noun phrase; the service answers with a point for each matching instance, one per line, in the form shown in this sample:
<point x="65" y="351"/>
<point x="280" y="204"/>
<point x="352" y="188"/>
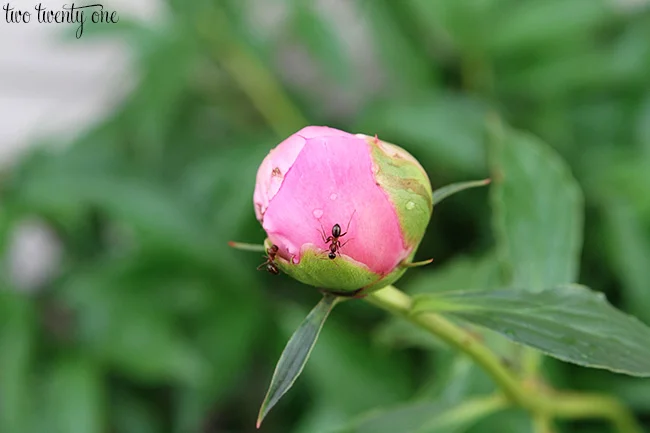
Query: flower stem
<point x="555" y="405"/>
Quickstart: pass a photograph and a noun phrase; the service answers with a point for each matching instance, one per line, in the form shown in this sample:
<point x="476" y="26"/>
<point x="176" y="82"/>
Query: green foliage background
<point x="152" y="324"/>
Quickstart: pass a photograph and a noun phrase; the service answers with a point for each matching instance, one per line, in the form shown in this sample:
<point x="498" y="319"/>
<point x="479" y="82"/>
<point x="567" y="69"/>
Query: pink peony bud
<point x="376" y="192"/>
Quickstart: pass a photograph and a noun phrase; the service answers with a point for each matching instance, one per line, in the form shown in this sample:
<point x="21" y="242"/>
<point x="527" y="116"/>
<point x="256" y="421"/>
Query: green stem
<point x="396" y="301"/>
<point x="560" y="405"/>
<point x="542" y="423"/>
<point x="249" y="72"/>
<point x="575" y="406"/>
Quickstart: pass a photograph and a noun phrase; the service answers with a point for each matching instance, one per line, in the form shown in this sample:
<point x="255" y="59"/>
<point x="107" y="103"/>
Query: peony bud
<point x="376" y="192"/>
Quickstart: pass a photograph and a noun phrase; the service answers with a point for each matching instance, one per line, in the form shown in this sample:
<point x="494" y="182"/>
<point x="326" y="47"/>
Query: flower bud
<point x="377" y="193"/>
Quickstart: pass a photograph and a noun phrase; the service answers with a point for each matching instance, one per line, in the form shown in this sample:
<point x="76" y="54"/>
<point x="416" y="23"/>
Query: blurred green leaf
<point x="16" y="359"/>
<point x="134" y="415"/>
<point x="222" y="177"/>
<point x="322" y="39"/>
<point x="425" y="417"/>
<point x="407" y="418"/>
<point x="619" y="64"/>
<point x="627" y="180"/>
<point x="128" y="326"/>
<point x="158" y="216"/>
<point x="643" y="127"/>
<point x="460" y="273"/>
<point x="398" y="333"/>
<point x="455" y="379"/>
<point x="508" y="421"/>
<point x="537" y="212"/>
<point x="321" y="417"/>
<point x="632" y="391"/>
<point x="407" y="70"/>
<point x="528" y="25"/>
<point x="295" y="354"/>
<point x="74" y="397"/>
<point x="463" y="25"/>
<point x="629" y="251"/>
<point x="446" y="128"/>
<point x="571" y="323"/>
<point x="225" y="331"/>
<point x="464" y="415"/>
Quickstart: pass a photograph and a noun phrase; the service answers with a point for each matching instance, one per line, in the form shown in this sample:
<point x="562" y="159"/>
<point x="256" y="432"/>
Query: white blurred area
<point x="53" y="86"/>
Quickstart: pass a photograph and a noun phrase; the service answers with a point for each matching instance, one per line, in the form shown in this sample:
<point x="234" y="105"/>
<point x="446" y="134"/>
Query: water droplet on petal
<point x="410" y="205"/>
<point x="317" y="213"/>
<point x="333" y="196"/>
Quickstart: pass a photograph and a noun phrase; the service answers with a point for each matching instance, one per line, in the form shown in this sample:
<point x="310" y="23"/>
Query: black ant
<point x="333" y="240"/>
<point x="268" y="264"/>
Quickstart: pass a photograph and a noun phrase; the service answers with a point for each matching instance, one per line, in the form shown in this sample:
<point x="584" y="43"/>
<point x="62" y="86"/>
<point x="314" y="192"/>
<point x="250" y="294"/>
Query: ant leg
<point x="349" y="221"/>
<point x="322" y="234"/>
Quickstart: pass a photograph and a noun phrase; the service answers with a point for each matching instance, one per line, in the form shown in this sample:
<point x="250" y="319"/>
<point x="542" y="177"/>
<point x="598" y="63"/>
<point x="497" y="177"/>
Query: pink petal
<point x="321" y="131"/>
<point x="331" y="181"/>
<point x="272" y="171"/>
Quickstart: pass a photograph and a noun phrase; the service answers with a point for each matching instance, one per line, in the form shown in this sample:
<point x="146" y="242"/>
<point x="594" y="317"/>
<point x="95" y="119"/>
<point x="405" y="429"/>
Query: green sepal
<point x="407" y="186"/>
<point x="390" y="278"/>
<point x="316" y="269"/>
<point x="447" y="191"/>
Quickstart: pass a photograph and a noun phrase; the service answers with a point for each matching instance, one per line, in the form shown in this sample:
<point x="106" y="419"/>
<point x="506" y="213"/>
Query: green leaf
<point x="425" y="417"/>
<point x="442" y="193"/>
<point x="295" y="354"/>
<point x="343" y="367"/>
<point x="570" y="322"/>
<point x="537" y="211"/>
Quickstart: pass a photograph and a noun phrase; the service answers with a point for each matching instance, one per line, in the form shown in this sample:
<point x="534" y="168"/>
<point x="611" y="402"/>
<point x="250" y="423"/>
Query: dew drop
<point x="317" y="213"/>
<point x="333" y="196"/>
<point x="410" y="205"/>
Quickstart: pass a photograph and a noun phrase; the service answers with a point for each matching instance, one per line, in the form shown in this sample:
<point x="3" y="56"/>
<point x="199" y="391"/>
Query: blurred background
<point x="128" y="161"/>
